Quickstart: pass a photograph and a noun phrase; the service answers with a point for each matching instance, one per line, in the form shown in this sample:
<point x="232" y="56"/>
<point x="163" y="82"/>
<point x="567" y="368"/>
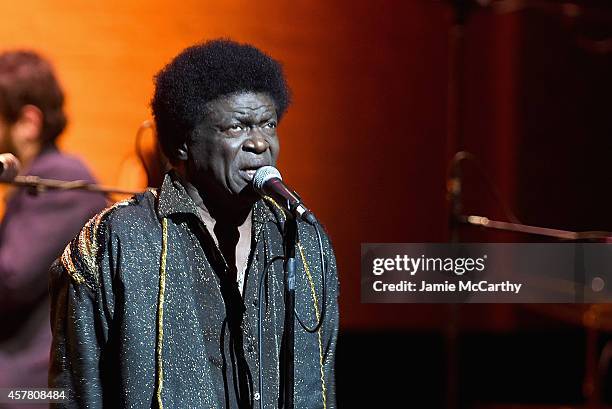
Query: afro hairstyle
<point x="203" y="73"/>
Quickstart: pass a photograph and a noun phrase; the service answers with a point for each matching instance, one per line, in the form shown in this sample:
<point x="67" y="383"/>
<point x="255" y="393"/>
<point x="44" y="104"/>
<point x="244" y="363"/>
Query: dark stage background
<point x="528" y="91"/>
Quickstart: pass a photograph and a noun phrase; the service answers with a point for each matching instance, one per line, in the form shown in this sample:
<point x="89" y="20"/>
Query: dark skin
<point x="236" y="137"/>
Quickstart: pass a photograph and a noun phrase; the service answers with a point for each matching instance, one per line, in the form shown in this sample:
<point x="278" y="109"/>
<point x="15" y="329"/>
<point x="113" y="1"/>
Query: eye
<point x="236" y="128"/>
<point x="270" y="125"/>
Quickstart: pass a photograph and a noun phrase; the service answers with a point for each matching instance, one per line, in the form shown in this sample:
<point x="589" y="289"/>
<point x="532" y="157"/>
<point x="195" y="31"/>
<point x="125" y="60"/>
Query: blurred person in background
<point x="36" y="226"/>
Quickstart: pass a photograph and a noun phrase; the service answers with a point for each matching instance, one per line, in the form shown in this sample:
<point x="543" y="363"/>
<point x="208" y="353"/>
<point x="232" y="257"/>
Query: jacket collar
<point x="174" y="199"/>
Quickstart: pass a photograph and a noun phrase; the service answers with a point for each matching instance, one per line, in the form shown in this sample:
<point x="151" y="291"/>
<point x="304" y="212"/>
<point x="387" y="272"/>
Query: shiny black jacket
<point x="143" y="316"/>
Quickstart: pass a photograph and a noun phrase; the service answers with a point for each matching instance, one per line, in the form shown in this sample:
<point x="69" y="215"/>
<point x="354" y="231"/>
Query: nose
<point x="256" y="142"/>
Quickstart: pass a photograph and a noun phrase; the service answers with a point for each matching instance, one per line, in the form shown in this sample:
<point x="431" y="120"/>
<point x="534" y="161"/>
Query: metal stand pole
<point x="289" y="331"/>
<point x="39" y="185"/>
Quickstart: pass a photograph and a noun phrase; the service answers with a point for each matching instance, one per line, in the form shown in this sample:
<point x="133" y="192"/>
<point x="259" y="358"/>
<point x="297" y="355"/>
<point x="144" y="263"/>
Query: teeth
<point x="250" y="173"/>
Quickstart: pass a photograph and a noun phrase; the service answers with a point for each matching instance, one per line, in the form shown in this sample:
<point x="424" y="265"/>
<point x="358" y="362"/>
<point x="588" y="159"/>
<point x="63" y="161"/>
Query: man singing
<point x="155" y="303"/>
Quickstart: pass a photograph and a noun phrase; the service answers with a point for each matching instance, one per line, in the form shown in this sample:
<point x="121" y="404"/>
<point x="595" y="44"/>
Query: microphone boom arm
<point x="42" y="185"/>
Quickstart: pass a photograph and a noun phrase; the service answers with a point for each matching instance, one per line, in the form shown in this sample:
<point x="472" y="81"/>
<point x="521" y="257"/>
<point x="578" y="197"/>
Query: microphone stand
<point x="290" y="239"/>
<point x="591" y="383"/>
<point x="534" y="230"/>
<point x="39" y="185"/>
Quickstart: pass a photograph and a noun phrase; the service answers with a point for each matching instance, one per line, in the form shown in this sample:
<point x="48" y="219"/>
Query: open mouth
<point x="249" y="172"/>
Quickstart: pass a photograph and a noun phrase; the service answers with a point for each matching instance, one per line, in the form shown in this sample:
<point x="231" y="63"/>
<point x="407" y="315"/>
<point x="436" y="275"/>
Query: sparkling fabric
<point x="104" y="314"/>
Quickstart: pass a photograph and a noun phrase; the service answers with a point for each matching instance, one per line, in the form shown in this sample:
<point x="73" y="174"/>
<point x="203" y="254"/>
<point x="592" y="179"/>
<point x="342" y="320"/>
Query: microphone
<point x="9" y="167"/>
<point x="269" y="182"/>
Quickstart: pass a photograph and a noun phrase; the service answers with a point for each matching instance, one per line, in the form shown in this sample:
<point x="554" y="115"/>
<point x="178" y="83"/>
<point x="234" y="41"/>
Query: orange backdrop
<point x="363" y="142"/>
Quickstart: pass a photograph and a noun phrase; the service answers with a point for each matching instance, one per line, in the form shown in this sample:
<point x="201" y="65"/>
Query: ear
<point x="28" y="126"/>
<point x="182" y="152"/>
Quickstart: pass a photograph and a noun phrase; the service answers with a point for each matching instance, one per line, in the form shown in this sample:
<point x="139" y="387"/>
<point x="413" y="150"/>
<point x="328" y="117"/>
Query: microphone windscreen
<point x="9" y="168"/>
<point x="264" y="174"/>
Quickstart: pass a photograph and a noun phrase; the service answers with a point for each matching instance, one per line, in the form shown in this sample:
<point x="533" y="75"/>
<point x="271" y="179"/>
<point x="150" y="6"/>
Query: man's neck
<point x="216" y="205"/>
<point x="26" y="155"/>
<point x="231" y="214"/>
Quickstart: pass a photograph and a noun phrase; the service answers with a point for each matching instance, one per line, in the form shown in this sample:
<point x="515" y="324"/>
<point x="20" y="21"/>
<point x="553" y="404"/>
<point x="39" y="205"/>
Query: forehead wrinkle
<point x="225" y="108"/>
<point x="249" y="110"/>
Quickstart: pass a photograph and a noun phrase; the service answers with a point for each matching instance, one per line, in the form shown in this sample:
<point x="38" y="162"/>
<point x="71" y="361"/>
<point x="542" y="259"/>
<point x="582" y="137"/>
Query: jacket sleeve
<point x="330" y="325"/>
<point x="81" y="315"/>
<point x="34" y="232"/>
